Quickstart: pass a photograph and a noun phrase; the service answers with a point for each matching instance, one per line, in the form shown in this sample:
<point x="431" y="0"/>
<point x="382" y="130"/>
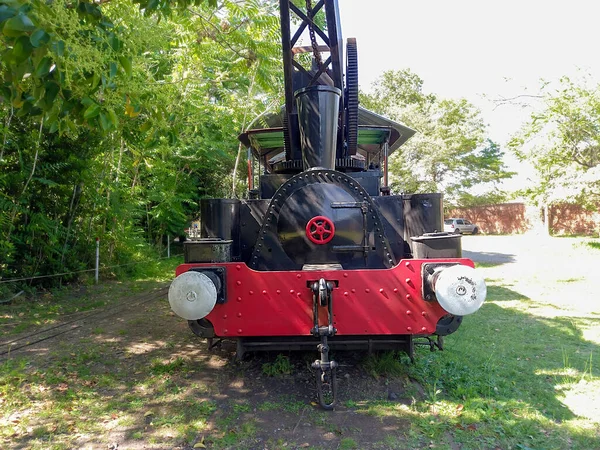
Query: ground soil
<point x="282" y="408"/>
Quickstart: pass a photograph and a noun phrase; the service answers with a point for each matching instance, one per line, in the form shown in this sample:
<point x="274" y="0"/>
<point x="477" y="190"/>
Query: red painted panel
<point x="365" y="302"/>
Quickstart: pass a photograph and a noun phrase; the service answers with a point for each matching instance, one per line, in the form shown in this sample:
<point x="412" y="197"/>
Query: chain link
<point x="311" y="32"/>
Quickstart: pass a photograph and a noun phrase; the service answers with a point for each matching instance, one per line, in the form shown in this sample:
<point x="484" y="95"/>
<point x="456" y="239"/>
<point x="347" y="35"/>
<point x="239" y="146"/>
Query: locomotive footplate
<point x="324" y="367"/>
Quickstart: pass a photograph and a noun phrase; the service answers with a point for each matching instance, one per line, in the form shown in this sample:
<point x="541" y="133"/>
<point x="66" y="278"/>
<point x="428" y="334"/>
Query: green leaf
<point x="114" y="42"/>
<point x="114" y="120"/>
<point x="59" y="48"/>
<point x="52" y="90"/>
<point x="126" y="63"/>
<point x="39" y="38"/>
<point x="18" y="25"/>
<point x="104" y="122"/>
<point x="151" y="5"/>
<point x="95" y="80"/>
<point x="89" y="10"/>
<point x="24" y="110"/>
<point x="113" y="69"/>
<point x="43" y="67"/>
<point x="22" y="49"/>
<point x="86" y="101"/>
<point x="91" y="112"/>
<point x="54" y="127"/>
<point x="6" y="12"/>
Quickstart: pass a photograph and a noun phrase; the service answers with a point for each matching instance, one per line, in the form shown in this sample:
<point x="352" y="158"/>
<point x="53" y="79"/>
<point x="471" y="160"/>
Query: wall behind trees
<point x="514" y="218"/>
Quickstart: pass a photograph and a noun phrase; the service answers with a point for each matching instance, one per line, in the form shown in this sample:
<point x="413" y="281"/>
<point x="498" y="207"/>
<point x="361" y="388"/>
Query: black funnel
<point x="318" y="108"/>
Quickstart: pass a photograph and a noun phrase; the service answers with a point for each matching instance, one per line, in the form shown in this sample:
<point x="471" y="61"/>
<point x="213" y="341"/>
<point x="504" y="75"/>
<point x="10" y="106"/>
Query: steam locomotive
<point x="321" y="253"/>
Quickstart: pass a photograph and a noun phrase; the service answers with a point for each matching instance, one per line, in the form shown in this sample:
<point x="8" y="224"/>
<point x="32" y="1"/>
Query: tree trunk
<point x="547" y="228"/>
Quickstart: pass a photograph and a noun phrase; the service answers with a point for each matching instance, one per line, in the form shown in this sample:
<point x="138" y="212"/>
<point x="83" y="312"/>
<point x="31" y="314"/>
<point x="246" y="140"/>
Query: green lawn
<point x="521" y="373"/>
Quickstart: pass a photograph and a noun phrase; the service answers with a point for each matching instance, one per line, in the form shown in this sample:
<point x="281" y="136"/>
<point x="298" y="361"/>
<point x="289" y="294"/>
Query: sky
<point x="479" y="50"/>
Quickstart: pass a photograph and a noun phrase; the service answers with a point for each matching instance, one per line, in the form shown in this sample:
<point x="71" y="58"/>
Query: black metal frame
<point x="333" y="66"/>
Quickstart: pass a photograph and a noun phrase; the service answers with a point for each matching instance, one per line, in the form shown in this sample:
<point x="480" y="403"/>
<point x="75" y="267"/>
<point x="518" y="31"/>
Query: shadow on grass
<point x="501" y="293"/>
<point x="488" y="259"/>
<point x="142" y="379"/>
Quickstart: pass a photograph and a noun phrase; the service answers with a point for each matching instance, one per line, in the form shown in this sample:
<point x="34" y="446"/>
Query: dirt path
<point x="155" y="385"/>
<point x="133" y="376"/>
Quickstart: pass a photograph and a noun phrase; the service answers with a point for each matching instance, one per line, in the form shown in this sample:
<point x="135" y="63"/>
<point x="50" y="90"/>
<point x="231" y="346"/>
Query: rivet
<point x="264" y="292"/>
<point x="291" y="291"/>
<point x="239" y="314"/>
<point x="239" y="331"/>
<point x="225" y="331"/>
<point x="395" y="290"/>
<point x="353" y="290"/>
<point x="278" y="291"/>
<point x="238" y="282"/>
<point x="367" y="290"/>
<point x="407" y="264"/>
<point x="239" y="299"/>
<point x="381" y="290"/>
<point x="424" y="313"/>
<point x="345" y="275"/>
<point x="238" y="267"/>
<point x="408" y="329"/>
<point x="298" y="276"/>
<point x="408" y="312"/>
<point x="408" y="281"/>
<point x="250" y="292"/>
<point x="299" y="294"/>
<point x="423" y="328"/>
<point x="225" y="316"/>
<point x="346" y="293"/>
<point x="408" y="297"/>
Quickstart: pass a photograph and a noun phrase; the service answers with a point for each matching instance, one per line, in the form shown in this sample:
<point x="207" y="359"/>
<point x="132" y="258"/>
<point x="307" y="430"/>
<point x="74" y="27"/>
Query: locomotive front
<point x="321" y="252"/>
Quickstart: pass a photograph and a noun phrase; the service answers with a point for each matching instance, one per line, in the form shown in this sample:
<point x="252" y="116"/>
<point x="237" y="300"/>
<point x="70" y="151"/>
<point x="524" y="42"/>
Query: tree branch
<point x="510" y="100"/>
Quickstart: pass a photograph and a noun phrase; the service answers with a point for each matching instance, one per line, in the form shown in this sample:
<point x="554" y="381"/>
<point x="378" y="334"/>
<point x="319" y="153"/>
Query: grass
<point x="593" y="244"/>
<point x="516" y="375"/>
<point x="348" y="444"/>
<point x="386" y="364"/>
<point x="484" y="264"/>
<point x="45" y="308"/>
<point x="281" y="366"/>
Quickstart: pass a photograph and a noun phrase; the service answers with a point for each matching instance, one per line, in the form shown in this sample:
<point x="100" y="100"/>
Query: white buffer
<point x="192" y="295"/>
<point x="459" y="289"/>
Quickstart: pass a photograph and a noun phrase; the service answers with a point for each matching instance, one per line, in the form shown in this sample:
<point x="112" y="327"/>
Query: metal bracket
<point x="428" y="275"/>
<point x="325" y="368"/>
<point x="218" y="277"/>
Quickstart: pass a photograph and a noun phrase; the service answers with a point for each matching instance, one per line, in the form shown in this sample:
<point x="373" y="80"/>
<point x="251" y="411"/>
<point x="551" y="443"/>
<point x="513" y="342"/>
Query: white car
<point x="459" y="226"/>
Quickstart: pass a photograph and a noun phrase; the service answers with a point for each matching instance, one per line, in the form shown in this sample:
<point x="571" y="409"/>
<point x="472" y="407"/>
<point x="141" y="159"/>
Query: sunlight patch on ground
<point x="139" y="348"/>
<point x="583" y="399"/>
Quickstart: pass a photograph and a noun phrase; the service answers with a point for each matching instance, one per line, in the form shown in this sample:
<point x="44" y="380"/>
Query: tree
<point x="562" y="142"/>
<point x="142" y="123"/>
<point x="450" y="152"/>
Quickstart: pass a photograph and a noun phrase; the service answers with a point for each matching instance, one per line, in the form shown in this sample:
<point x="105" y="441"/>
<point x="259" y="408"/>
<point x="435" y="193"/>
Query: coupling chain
<point x="311" y="33"/>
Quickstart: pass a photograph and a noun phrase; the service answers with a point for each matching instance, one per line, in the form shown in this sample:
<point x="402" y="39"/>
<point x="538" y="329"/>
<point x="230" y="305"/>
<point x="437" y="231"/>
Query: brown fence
<point x="508" y="218"/>
<point x="568" y="219"/>
<point x="503" y="218"/>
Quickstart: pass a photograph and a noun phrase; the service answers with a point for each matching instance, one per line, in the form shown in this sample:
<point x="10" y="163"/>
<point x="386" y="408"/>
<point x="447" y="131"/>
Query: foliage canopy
<point x="114" y="121"/>
<point x="450" y="152"/>
<point x="562" y="142"/>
